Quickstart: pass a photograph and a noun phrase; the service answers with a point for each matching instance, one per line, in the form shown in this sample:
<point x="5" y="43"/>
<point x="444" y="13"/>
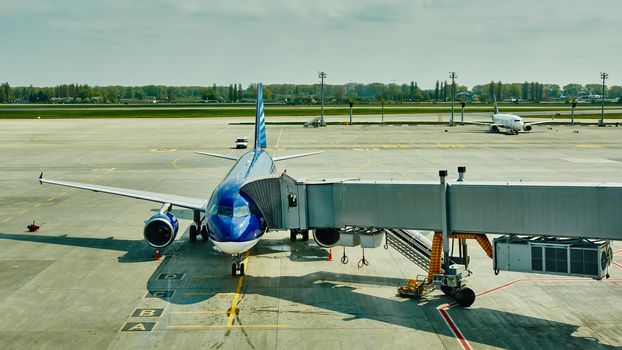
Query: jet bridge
<point x="555" y="228"/>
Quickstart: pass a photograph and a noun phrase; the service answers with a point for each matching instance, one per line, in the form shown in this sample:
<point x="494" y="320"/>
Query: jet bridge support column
<point x="444" y="224"/>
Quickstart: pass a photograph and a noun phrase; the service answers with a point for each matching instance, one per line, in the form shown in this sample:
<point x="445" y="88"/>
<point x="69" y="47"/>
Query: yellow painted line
<point x="588" y="145"/>
<point x="366" y="164"/>
<point x="234" y="305"/>
<point x="366" y="149"/>
<point x="51" y="199"/>
<point x="442" y="145"/>
<point x="400" y="173"/>
<point x="395" y="146"/>
<point x="23" y="212"/>
<point x="61" y="194"/>
<point x="37" y="205"/>
<point x="201" y="326"/>
<point x="73" y="189"/>
<point x="201" y="312"/>
<point x="8" y="219"/>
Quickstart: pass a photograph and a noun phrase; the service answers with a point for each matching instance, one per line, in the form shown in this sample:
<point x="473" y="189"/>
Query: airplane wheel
<point x="242" y="269"/>
<point x="305" y="235"/>
<point x="446" y="290"/>
<point x="234" y="270"/>
<point x="193" y="232"/>
<point x="204" y="233"/>
<point x="465" y="297"/>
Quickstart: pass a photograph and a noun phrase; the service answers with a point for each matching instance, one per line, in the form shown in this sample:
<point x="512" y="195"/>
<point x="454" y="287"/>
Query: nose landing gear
<point x="237" y="265"/>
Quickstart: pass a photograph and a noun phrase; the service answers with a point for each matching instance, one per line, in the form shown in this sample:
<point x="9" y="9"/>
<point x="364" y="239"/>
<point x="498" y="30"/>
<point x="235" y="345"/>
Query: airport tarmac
<point x="86" y="279"/>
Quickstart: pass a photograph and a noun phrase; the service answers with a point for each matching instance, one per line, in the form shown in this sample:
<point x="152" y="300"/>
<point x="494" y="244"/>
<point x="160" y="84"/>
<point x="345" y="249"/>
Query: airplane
<point x="232" y="221"/>
<point x="512" y="123"/>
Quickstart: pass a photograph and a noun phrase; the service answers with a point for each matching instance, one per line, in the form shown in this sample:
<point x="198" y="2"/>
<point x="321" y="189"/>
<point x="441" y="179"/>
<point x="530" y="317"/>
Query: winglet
<point x="41" y="179"/>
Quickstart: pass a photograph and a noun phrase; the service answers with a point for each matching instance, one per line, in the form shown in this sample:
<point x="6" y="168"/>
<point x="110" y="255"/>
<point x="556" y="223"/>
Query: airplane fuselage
<point x="234" y="221"/>
<point x="508" y="121"/>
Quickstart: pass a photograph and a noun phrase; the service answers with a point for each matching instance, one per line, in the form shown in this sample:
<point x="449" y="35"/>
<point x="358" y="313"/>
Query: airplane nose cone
<point x="228" y="229"/>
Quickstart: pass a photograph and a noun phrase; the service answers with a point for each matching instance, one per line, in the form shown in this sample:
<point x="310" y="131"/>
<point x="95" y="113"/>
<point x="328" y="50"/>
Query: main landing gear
<point x="194" y="229"/>
<point x="293" y="233"/>
<point x="237" y="265"/>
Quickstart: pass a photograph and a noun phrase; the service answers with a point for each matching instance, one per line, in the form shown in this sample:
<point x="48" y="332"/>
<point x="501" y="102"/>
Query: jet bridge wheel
<point x="193" y="232"/>
<point x="305" y="235"/>
<point x="292" y="234"/>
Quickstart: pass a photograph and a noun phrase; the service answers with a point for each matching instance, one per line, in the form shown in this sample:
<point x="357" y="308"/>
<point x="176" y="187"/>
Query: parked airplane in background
<point x="512" y="123"/>
<point x="232" y="221"/>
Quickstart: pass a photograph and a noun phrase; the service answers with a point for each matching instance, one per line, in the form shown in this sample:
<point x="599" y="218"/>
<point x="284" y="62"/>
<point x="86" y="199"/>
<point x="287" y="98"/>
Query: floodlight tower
<point x="601" y="122"/>
<point x="453" y="77"/>
<point x="322" y="75"/>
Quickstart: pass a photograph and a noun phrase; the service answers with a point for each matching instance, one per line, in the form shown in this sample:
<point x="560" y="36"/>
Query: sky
<point x="205" y="42"/>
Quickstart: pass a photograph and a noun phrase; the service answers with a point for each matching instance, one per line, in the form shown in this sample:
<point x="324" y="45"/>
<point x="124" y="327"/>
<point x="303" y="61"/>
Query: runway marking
<point x="61" y="194"/>
<point x="249" y="326"/>
<point x="51" y="199"/>
<point x="444" y="309"/>
<point x="163" y="150"/>
<point x="37" y="205"/>
<point x="277" y="143"/>
<point x="8" y="219"/>
<point x="617" y="265"/>
<point x="218" y="133"/>
<point x="368" y="163"/>
<point x="138" y="326"/>
<point x="400" y="173"/>
<point x="195" y="294"/>
<point x="23" y="212"/>
<point x="588" y="145"/>
<point x="448" y="146"/>
<point x="617" y="251"/>
<point x="366" y="149"/>
<point x="395" y="146"/>
<point x="237" y="293"/>
<point x="201" y="312"/>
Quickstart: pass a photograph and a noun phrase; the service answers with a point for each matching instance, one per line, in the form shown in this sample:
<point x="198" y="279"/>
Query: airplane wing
<point x="276" y="159"/>
<point x="540" y="122"/>
<point x="179" y="201"/>
<point x="216" y="155"/>
<point x="476" y="122"/>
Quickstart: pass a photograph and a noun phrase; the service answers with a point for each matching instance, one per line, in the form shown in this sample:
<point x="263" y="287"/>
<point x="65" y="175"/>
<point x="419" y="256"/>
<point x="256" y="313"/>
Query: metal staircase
<point x="412" y="244"/>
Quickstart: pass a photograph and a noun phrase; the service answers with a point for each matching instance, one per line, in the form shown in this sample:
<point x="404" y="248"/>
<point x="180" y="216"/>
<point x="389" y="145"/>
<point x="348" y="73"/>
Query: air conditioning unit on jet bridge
<point x="570" y="257"/>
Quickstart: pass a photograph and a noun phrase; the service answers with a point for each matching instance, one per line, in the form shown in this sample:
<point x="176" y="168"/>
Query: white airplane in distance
<point x="512" y="123"/>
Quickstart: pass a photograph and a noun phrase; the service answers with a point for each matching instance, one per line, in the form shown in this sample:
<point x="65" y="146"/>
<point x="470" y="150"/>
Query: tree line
<point x="305" y="93"/>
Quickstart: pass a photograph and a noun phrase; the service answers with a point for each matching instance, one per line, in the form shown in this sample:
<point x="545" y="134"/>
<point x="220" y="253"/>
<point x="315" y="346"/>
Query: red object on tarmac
<point x="33" y="227"/>
<point x="330" y="254"/>
<point x="157" y="257"/>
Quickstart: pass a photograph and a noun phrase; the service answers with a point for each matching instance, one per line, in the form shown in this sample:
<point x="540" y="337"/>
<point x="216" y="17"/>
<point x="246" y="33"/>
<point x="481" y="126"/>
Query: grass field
<point x="90" y="111"/>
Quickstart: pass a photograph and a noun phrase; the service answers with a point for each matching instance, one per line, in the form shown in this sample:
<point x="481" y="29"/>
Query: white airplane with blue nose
<point x="230" y="219"/>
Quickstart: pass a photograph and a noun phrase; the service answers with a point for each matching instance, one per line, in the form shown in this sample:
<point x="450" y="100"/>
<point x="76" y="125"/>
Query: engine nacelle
<point x="160" y="230"/>
<point x="527" y="127"/>
<point x="326" y="237"/>
<point x="493" y="128"/>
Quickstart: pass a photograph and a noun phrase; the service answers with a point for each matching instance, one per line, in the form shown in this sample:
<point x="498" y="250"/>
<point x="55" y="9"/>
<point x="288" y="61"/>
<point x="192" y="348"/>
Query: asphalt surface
<point x="86" y="279"/>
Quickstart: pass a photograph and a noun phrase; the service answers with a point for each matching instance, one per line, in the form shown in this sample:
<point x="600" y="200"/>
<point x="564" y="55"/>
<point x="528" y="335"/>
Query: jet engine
<point x="527" y="127"/>
<point x="493" y="128"/>
<point x="160" y="230"/>
<point x="326" y="237"/>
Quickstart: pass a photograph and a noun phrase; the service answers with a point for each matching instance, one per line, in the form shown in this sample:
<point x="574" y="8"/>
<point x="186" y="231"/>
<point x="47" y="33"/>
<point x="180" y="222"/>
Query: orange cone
<point x="330" y="254"/>
<point x="157" y="257"/>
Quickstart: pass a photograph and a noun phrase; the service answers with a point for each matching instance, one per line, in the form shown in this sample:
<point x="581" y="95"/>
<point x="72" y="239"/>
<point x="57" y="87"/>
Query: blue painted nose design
<point x="234" y="229"/>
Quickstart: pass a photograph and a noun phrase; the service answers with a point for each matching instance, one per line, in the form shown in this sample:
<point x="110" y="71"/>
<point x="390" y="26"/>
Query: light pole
<point x="601" y="122"/>
<point x="322" y="75"/>
<point x="453" y="77"/>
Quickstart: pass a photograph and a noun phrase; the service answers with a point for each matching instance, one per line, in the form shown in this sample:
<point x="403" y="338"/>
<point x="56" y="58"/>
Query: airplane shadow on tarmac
<point x="325" y="290"/>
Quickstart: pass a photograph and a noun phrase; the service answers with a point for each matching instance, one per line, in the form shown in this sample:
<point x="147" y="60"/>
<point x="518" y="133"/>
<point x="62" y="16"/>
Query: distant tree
<point x="525" y="91"/>
<point x="491" y="90"/>
<point x="436" y="91"/>
<point x="235" y="92"/>
<point x="572" y="90"/>
<point x="240" y="92"/>
<point x="532" y="91"/>
<point x="230" y="94"/>
<point x="6" y="92"/>
<point x="412" y="89"/>
<point x="499" y="91"/>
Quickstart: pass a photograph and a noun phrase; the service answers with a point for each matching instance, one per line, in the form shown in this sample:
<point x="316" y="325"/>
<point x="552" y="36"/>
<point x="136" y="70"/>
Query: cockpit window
<point x="241" y="211"/>
<point x="225" y="210"/>
<point x="237" y="212"/>
<point x="516" y="120"/>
